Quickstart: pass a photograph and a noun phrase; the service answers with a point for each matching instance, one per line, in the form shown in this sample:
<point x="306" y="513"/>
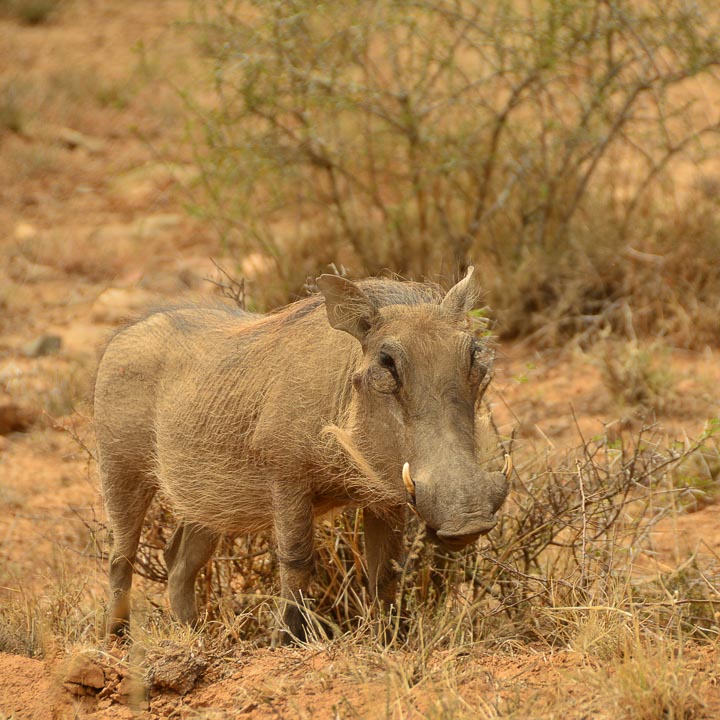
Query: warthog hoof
<point x="301" y="627"/>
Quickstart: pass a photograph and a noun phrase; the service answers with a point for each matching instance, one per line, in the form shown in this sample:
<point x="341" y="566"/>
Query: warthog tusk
<point x="508" y="466"/>
<point x="409" y="484"/>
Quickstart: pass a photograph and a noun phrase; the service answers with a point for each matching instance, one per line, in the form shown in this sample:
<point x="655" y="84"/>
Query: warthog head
<point x="413" y="410"/>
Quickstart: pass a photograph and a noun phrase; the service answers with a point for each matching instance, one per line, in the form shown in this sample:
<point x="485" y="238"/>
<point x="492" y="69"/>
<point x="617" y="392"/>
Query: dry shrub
<point x="634" y="277"/>
<point x="637" y="375"/>
<point x="81" y="253"/>
<point x="558" y="569"/>
<point x="20" y="627"/>
<point x="49" y="387"/>
<point x="699" y="473"/>
<point x="12" y="110"/>
<point x="544" y="142"/>
<point x="37" y="624"/>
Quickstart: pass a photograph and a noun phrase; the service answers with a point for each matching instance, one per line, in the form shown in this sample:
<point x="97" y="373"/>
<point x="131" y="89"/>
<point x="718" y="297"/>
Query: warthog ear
<point x="348" y="308"/>
<point x="465" y="295"/>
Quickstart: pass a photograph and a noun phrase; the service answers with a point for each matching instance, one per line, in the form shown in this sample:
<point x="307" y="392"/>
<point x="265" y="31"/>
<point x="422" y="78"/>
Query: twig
<point x="583" y="506"/>
<point x="233" y="289"/>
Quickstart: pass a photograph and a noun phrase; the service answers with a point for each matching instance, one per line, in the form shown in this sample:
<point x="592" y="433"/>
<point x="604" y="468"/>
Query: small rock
<point x="77" y="689"/>
<point x="41" y="346"/>
<point x="83" y="676"/>
<point x="145" y="181"/>
<point x="152" y="225"/>
<point x="22" y="270"/>
<point x="126" y="689"/>
<point x="15" y="418"/>
<point x="74" y="139"/>
<point x="25" y="231"/>
<point x="114" y="234"/>
<point x="130" y="691"/>
<point x="173" y="667"/>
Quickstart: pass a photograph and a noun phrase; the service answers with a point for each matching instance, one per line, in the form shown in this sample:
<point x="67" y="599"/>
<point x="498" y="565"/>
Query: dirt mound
<point x="27" y="689"/>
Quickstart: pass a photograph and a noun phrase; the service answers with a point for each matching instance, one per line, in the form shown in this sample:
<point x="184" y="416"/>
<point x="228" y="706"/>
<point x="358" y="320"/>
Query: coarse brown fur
<point x="245" y="422"/>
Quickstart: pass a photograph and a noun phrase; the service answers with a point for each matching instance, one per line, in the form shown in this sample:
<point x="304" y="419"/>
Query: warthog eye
<point x="388" y="363"/>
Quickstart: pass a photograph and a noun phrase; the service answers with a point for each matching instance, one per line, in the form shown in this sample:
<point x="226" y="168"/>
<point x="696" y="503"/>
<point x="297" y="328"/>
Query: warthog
<point x="362" y="395"/>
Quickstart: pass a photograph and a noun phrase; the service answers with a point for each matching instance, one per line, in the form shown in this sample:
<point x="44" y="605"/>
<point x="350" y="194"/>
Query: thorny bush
<point x="565" y="148"/>
<point x="572" y="531"/>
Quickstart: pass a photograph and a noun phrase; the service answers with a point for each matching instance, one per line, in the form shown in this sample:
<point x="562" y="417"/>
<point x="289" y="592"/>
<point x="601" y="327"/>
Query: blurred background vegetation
<point x="568" y="148"/>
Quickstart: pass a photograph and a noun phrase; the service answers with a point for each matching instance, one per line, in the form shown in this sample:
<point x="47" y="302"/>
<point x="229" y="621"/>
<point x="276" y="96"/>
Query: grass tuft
<point x="12" y="112"/>
<point x="654" y="683"/>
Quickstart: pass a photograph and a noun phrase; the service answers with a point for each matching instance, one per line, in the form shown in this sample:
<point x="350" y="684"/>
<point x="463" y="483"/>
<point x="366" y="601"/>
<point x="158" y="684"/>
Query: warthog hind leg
<point x="127" y="503"/>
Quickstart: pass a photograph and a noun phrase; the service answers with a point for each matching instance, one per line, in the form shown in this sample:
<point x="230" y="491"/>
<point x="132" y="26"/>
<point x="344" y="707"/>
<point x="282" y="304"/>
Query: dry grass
<point x="652" y="682"/>
<point x="12" y="111"/>
<point x="482" y="633"/>
<point x="637" y="375"/>
<point x="41" y="624"/>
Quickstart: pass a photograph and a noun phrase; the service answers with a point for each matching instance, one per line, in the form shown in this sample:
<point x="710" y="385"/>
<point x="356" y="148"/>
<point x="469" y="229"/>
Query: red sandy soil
<point x="91" y="228"/>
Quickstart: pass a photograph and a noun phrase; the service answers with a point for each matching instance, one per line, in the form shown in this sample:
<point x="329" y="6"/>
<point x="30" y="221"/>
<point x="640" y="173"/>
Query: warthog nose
<point x="459" y="507"/>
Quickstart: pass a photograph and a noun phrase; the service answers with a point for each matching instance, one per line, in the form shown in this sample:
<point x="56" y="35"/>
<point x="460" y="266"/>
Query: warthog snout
<point x="457" y="513"/>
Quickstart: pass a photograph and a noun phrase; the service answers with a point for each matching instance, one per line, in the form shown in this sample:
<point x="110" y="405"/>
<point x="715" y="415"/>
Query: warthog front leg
<point x="189" y="548"/>
<point x="294" y="537"/>
<point x="383" y="549"/>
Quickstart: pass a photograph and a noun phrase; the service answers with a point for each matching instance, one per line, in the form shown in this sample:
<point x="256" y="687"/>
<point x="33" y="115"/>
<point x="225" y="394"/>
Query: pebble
<point x="85" y="672"/>
<point x="74" y="139"/>
<point x="14" y="417"/>
<point x="42" y="346"/>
